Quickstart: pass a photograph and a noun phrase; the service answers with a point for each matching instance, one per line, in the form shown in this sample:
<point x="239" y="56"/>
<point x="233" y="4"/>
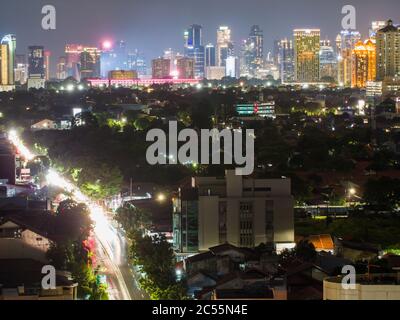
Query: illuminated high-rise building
<point x="388" y="51"/>
<point x="232" y="68"/>
<point x="210" y="55"/>
<point x="73" y="55"/>
<point x="224" y="47"/>
<point x="4" y="65"/>
<point x="194" y="48"/>
<point x="10" y="41"/>
<point x="306" y="55"/>
<point x="328" y="61"/>
<point x="113" y="57"/>
<point x="173" y="57"/>
<point x="346" y="39"/>
<point x="90" y="63"/>
<point x="185" y="68"/>
<point x="21" y="69"/>
<point x="62" y="68"/>
<point x="375" y="26"/>
<point x="256" y="42"/>
<point x="161" y="68"/>
<point x="286" y="60"/>
<point x="363" y="63"/>
<point x="137" y="62"/>
<point x="36" y="67"/>
<point x="345" y="42"/>
<point x="47" y="56"/>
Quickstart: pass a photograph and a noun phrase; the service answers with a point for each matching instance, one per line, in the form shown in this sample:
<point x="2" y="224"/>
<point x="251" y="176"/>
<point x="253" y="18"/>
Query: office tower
<point x="276" y="52"/>
<point x="210" y="55"/>
<point x="256" y="42"/>
<point x="4" y="65"/>
<point x="194" y="48"/>
<point x="363" y="63"/>
<point x="161" y="68"/>
<point x="388" y="51"/>
<point x="113" y="57"/>
<point x="47" y="56"/>
<point x="185" y="68"/>
<point x="375" y="26"/>
<point x="173" y="57"/>
<point x="306" y="54"/>
<point x="137" y="61"/>
<point x="215" y="73"/>
<point x="286" y="60"/>
<point x="344" y="67"/>
<point x="21" y="69"/>
<point x="346" y="39"/>
<point x="328" y="61"/>
<point x="90" y="63"/>
<point x="232" y="67"/>
<point x="242" y="211"/>
<point x="224" y="46"/>
<point x="73" y="55"/>
<point x="11" y="41"/>
<point x="36" y="68"/>
<point x="62" y="73"/>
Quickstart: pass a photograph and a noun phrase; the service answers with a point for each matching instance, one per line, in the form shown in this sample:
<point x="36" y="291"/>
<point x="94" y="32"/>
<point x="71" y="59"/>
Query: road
<point x="111" y="245"/>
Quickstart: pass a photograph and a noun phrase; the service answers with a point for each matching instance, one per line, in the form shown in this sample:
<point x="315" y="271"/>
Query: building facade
<point x="306" y="52"/>
<point x="388" y="51"/>
<point x="243" y="212"/>
<point x="194" y="48"/>
<point x="224" y="46"/>
<point x="161" y="68"/>
<point x="363" y="63"/>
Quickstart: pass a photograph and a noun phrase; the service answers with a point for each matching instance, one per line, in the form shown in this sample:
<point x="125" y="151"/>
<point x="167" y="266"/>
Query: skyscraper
<point x="90" y="63"/>
<point x="36" y="68"/>
<point x="328" y="61"/>
<point x="286" y="60"/>
<point x="185" y="68"/>
<point x="375" y="26"/>
<point x="47" y="56"/>
<point x="62" y="68"/>
<point x="4" y="65"/>
<point x="73" y="55"/>
<point x="363" y="63"/>
<point x="256" y="40"/>
<point x="173" y="57"/>
<point x="161" y="68"/>
<point x="21" y="69"/>
<point x="194" y="48"/>
<point x="224" y="46"/>
<point x="232" y="67"/>
<point x="10" y="41"/>
<point x="113" y="57"/>
<point x="210" y="55"/>
<point x="388" y="51"/>
<point x="137" y="62"/>
<point x="306" y="53"/>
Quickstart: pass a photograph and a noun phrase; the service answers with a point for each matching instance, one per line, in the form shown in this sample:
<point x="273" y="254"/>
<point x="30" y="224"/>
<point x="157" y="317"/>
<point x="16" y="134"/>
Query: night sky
<point x="154" y="25"/>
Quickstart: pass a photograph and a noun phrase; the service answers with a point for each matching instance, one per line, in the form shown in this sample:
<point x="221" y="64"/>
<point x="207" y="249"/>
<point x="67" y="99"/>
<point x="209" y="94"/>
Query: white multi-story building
<point x="242" y="211"/>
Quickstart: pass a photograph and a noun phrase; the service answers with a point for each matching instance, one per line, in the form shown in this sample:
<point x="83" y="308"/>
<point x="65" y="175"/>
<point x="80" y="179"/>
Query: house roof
<point x="249" y="293"/>
<point x="28" y="272"/>
<point x="220" y="249"/>
<point x="322" y="242"/>
<point x="200" y="257"/>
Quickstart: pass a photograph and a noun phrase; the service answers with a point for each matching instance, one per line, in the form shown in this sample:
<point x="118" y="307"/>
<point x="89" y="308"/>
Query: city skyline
<point x="129" y="21"/>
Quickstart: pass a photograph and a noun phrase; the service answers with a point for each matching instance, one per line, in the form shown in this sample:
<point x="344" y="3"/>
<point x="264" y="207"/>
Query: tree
<point x="383" y="193"/>
<point x="132" y="218"/>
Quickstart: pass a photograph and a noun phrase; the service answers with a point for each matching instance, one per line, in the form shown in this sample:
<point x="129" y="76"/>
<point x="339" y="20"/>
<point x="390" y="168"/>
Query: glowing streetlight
<point x="161" y="197"/>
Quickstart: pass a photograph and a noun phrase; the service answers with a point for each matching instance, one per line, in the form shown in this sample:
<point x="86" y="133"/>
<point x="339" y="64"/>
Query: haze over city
<point x="153" y="26"/>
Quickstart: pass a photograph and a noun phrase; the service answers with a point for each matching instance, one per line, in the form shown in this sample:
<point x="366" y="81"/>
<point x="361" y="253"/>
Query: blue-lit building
<point x="36" y="62"/>
<point x="210" y="59"/>
<point x="114" y="58"/>
<point x="194" y="48"/>
<point x="137" y="61"/>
